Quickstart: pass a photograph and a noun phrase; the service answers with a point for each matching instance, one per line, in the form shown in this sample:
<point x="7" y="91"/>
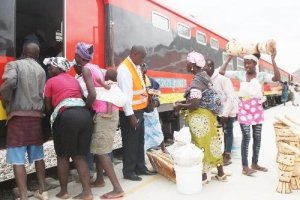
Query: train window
<point x="7" y="28"/>
<point x="160" y="21"/>
<point x="201" y="37"/>
<point x="230" y="64"/>
<point x="240" y="63"/>
<point x="214" y="43"/>
<point x="184" y="30"/>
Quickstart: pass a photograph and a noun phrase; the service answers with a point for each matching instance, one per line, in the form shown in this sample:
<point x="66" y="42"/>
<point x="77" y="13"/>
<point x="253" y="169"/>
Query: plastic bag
<point x="187" y="155"/>
<point x="183" y="136"/>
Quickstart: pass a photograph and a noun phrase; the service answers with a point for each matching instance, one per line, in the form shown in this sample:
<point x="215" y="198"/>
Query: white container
<point x="188" y="179"/>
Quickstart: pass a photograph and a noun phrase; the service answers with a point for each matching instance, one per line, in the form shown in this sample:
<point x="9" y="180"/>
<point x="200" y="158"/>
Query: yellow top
<point x="2" y="112"/>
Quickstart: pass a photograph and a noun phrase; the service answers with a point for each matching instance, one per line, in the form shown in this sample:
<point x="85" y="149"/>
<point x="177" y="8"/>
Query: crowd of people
<point x="84" y="125"/>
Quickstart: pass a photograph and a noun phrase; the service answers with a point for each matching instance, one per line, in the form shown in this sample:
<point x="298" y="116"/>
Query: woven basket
<point x="163" y="164"/>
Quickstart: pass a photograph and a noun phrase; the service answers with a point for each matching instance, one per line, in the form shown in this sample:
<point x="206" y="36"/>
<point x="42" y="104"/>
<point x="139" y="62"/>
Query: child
<point x="110" y="78"/>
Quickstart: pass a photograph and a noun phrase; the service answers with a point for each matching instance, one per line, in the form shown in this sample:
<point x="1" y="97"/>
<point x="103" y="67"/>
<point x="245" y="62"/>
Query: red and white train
<point x="113" y="26"/>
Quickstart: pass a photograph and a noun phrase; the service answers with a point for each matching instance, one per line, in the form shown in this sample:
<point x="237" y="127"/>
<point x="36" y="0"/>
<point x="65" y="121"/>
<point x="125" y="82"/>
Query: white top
<point x="253" y="88"/>
<point x="224" y="87"/>
<point x="125" y="83"/>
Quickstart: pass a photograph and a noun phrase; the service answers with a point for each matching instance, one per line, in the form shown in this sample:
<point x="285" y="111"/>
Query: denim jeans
<point x="246" y="140"/>
<point x="228" y="134"/>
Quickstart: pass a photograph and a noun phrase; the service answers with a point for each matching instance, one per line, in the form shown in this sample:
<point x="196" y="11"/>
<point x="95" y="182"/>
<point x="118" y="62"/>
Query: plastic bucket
<point x="189" y="179"/>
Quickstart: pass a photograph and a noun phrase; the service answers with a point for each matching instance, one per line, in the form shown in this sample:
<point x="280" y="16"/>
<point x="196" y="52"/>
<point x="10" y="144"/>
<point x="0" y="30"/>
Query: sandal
<point x="259" y="168"/>
<point x="43" y="196"/>
<point x="112" y="196"/>
<point x="204" y="182"/>
<point x="248" y="172"/>
<point x="220" y="178"/>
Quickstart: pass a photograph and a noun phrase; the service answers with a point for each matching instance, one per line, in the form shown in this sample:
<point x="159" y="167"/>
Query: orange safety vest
<point x="140" y="96"/>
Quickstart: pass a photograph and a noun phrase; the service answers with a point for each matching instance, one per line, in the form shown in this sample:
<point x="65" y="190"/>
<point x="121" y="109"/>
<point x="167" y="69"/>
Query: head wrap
<point x="251" y="57"/>
<point x="196" y="58"/>
<point x="254" y="58"/>
<point x="85" y="51"/>
<point x="59" y="62"/>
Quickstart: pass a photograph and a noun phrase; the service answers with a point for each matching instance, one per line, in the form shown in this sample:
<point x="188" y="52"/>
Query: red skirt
<point x="24" y="131"/>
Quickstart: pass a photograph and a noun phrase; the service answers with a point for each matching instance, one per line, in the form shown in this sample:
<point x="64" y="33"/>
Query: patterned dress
<point x="203" y="126"/>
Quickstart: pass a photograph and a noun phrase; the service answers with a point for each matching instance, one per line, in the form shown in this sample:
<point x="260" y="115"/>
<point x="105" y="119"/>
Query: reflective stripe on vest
<point x="140" y="96"/>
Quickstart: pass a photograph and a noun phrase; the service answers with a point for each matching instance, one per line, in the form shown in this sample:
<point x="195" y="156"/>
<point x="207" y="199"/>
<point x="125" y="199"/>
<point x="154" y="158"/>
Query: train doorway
<point x="40" y="21"/>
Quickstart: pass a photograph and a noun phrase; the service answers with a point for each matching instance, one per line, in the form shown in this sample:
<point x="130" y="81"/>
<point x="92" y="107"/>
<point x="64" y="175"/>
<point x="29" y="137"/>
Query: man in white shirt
<point x="130" y="80"/>
<point x="230" y="107"/>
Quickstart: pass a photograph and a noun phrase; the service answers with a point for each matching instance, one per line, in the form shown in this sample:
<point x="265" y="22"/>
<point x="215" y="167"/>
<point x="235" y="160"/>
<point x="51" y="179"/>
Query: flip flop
<point x="259" y="168"/>
<point x="43" y="196"/>
<point x="110" y="196"/>
<point x="248" y="172"/>
<point x="220" y="178"/>
<point x="204" y="182"/>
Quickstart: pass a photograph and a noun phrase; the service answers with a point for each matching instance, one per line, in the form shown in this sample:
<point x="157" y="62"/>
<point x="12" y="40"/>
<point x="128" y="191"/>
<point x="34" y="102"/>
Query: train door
<point x="7" y="33"/>
<point x="40" y="22"/>
<point x="85" y="22"/>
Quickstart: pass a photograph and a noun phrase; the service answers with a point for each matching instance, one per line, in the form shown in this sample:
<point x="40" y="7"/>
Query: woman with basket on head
<point x="250" y="112"/>
<point x="203" y="104"/>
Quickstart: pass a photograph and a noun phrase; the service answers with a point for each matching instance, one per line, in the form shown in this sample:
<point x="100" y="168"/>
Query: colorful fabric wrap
<point x="69" y="102"/>
<point x="59" y="62"/>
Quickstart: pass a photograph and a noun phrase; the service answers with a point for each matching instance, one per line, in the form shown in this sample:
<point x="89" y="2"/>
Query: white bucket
<point x="189" y="179"/>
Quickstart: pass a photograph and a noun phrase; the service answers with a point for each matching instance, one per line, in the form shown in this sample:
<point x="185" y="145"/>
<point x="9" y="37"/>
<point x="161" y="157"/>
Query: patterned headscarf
<point x="196" y="58"/>
<point x="59" y="62"/>
<point x="85" y="51"/>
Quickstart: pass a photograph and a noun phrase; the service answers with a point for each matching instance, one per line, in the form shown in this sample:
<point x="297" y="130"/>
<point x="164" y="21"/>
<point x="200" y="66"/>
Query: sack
<point x="211" y="100"/>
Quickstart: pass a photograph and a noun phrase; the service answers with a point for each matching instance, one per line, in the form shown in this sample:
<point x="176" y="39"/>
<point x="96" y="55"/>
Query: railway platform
<point x="261" y="186"/>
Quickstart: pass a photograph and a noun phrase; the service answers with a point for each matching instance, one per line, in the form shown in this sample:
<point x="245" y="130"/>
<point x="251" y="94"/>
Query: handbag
<point x="151" y="104"/>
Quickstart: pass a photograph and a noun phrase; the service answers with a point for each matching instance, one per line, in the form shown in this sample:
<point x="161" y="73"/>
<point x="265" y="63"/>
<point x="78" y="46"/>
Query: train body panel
<point x="113" y="26"/>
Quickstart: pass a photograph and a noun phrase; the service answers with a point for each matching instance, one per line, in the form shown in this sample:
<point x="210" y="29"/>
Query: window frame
<point x="184" y="25"/>
<point x="230" y="65"/>
<point x="217" y="41"/>
<point x="239" y="67"/>
<point x="202" y="33"/>
<point x="162" y="16"/>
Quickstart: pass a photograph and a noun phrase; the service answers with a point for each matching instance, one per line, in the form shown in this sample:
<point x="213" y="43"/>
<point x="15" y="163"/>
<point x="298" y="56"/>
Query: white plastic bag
<point x="187" y="155"/>
<point x="183" y="136"/>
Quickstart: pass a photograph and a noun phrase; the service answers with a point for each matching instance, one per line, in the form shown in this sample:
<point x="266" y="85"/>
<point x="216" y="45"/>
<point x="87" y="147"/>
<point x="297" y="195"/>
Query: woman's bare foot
<point x="97" y="183"/>
<point x="84" y="196"/>
<point x="62" y="195"/>
<point x="113" y="195"/>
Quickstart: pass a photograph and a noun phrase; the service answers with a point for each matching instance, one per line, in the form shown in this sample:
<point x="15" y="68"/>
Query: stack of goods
<point x="287" y="130"/>
<point x="237" y="48"/>
<point x="162" y="163"/>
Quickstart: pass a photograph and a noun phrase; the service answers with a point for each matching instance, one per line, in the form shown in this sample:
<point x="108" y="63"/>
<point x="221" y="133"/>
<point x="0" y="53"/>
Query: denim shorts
<point x="16" y="155"/>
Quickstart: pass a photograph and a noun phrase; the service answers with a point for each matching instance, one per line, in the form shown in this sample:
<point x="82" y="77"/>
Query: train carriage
<point x="113" y="26"/>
